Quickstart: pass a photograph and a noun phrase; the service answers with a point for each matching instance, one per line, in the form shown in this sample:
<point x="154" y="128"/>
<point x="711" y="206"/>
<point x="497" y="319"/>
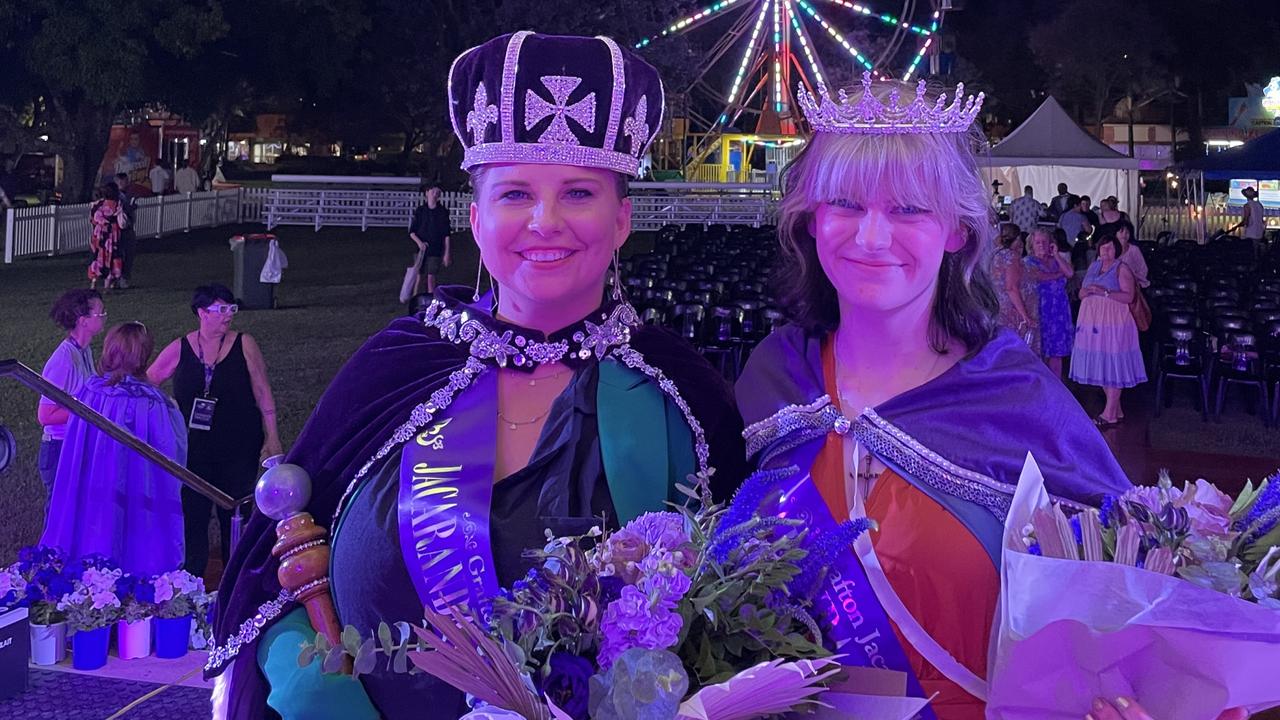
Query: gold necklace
<point x="533" y="382"/>
<point x="517" y="424"/>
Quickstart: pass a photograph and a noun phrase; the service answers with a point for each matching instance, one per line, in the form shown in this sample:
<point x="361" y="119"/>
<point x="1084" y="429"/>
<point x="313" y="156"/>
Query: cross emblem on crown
<point x="636" y="128"/>
<point x="561" y="87"/>
<point x="481" y="115"/>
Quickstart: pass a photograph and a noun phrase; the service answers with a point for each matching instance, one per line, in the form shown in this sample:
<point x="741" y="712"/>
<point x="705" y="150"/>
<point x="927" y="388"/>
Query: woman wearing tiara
<point x="547" y="407"/>
<point x="895" y="392"/>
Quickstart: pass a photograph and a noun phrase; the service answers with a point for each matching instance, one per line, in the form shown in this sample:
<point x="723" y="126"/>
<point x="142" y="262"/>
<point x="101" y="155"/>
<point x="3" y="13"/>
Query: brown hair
<point x="621" y="184"/>
<point x="125" y="352"/>
<point x="937" y="172"/>
<point x="71" y="306"/>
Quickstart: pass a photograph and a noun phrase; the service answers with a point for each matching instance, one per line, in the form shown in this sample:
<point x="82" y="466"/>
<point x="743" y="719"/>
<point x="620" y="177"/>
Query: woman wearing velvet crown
<point x="895" y="393"/>
<point x="558" y="408"/>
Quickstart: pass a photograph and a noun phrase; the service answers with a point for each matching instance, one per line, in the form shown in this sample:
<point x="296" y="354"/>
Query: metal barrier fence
<point x="653" y="205"/>
<point x="60" y="229"/>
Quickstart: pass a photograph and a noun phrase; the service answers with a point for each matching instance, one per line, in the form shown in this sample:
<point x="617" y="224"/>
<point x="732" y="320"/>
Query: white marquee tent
<point x="1050" y="148"/>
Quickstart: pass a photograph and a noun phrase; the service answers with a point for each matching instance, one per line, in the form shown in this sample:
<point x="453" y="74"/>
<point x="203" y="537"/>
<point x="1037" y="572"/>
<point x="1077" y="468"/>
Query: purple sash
<point x="858" y="623"/>
<point x="446" y="487"/>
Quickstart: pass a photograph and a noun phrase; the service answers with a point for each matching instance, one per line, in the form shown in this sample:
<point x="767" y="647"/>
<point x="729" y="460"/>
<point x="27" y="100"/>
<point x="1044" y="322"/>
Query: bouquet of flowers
<point x="698" y="614"/>
<point x="93" y="602"/>
<point x="1164" y="594"/>
<point x="39" y="579"/>
<point x="137" y="598"/>
<point x="178" y="594"/>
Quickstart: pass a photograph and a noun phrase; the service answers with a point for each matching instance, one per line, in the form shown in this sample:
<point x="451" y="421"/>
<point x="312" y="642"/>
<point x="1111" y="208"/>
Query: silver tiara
<point x="869" y="116"/>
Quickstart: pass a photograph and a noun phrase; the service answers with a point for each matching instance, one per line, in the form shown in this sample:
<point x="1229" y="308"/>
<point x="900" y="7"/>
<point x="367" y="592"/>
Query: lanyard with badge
<point x="202" y="407"/>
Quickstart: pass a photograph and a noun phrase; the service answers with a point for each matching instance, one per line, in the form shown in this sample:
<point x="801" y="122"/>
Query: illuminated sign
<point x="1271" y="96"/>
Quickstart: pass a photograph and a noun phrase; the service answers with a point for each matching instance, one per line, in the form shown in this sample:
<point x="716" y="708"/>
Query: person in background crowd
<point x="1016" y="292"/>
<point x="160" y="177"/>
<point x="128" y="237"/>
<point x="108" y="499"/>
<point x="1106" y="351"/>
<point x="1131" y="254"/>
<point x="430" y="232"/>
<point x="1051" y="271"/>
<point x="187" y="180"/>
<point x="1075" y="222"/>
<point x="1253" y="220"/>
<point x="8" y="186"/>
<point x="108" y="219"/>
<point x="1110" y="212"/>
<point x="1060" y="203"/>
<point x="1008" y="233"/>
<point x="220" y="382"/>
<point x="1025" y="212"/>
<point x="81" y="314"/>
<point x="1094" y="220"/>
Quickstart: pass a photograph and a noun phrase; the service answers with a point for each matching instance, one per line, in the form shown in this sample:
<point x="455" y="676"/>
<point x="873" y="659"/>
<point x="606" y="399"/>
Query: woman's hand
<point x="270" y="448"/>
<point x="1123" y="708"/>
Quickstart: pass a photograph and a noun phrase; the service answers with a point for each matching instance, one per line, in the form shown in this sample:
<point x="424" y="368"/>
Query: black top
<point x="237" y="423"/>
<point x="563" y="488"/>
<point x="431" y="225"/>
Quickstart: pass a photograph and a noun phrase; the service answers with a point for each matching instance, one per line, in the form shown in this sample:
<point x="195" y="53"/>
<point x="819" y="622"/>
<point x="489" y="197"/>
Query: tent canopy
<point x="1258" y="159"/>
<point x="1051" y="137"/>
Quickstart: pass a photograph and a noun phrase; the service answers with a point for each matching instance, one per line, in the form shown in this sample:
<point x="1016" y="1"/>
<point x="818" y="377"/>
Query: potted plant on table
<point x="91" y="608"/>
<point x="177" y="595"/>
<point x="138" y="606"/>
<point x="45" y="579"/>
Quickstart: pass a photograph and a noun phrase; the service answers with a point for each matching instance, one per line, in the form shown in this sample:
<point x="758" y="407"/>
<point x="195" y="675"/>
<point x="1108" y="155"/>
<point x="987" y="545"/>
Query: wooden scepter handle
<point x="302" y="547"/>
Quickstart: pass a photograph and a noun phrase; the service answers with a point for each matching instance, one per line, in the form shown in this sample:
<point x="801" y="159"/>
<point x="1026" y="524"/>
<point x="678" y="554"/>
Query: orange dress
<point x="941" y="572"/>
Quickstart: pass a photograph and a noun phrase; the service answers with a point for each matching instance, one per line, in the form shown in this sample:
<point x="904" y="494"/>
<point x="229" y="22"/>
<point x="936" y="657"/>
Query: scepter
<point x="301" y="547"/>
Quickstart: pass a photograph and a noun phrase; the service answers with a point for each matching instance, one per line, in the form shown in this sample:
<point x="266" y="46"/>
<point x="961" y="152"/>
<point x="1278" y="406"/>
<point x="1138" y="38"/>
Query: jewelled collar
<point x="508" y="345"/>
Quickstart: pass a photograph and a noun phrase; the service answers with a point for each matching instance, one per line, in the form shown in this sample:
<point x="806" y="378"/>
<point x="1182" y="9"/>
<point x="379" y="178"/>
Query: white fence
<point x="1184" y="220"/>
<point x="60" y="229"/>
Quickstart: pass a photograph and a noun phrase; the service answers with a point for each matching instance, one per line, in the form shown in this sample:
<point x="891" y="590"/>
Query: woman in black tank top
<point x="220" y="383"/>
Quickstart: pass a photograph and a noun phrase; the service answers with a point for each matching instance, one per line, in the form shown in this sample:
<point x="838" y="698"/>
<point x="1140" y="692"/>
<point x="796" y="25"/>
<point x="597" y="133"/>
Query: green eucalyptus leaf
<point x="384" y="638"/>
<point x="400" y="662"/>
<point x="322" y="644"/>
<point x="351" y="640"/>
<point x="366" y="659"/>
<point x="307" y="656"/>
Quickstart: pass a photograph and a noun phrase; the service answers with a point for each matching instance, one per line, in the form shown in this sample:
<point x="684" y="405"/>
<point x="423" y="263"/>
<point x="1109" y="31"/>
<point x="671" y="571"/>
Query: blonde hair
<point x="935" y="172"/>
<point x="125" y="352"/>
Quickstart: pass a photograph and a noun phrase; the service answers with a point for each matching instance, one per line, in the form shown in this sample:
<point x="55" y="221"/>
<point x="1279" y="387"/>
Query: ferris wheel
<point x="771" y="44"/>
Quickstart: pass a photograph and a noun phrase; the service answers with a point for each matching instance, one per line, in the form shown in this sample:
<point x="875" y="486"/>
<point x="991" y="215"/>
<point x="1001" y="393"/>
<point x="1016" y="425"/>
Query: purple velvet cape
<point x="110" y="500"/>
<point x="984" y="414"/>
<point x="370" y="397"/>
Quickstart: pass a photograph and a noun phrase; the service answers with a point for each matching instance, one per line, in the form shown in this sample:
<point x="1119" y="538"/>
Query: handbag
<point x="410" y="280"/>
<point x="1140" y="310"/>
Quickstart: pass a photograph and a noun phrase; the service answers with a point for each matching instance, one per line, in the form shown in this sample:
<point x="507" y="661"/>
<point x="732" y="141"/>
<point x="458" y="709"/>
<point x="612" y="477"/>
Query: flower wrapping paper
<point x="1068" y="631"/>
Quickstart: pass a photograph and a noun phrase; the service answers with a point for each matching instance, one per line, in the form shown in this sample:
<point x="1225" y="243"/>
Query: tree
<point x="1095" y="52"/>
<point x="71" y="67"/>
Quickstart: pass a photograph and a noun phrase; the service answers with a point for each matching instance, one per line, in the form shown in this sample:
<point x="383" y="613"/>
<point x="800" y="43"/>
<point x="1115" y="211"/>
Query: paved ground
<point x="59" y="695"/>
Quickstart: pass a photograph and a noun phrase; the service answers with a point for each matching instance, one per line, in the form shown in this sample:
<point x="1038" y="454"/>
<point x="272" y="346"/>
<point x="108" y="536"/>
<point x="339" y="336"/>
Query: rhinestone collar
<point x="510" y="346"/>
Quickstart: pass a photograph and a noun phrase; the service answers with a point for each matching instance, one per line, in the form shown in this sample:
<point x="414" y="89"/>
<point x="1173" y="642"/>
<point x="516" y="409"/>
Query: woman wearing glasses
<point x="220" y="383"/>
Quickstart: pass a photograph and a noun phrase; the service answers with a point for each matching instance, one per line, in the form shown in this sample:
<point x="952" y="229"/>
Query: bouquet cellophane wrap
<point x="1068" y="631"/>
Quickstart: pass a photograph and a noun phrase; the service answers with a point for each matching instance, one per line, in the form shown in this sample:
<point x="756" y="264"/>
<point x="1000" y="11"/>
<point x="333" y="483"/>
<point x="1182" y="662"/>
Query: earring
<point x="475" y="297"/>
<point x="617" y="279"/>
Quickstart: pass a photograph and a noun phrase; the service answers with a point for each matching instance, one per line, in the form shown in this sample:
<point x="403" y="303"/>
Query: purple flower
<point x="567" y="684"/>
<point x="633" y="621"/>
<point x="624" y="550"/>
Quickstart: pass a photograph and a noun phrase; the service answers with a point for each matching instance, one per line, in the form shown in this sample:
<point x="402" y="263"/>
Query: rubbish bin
<point x="249" y="253"/>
